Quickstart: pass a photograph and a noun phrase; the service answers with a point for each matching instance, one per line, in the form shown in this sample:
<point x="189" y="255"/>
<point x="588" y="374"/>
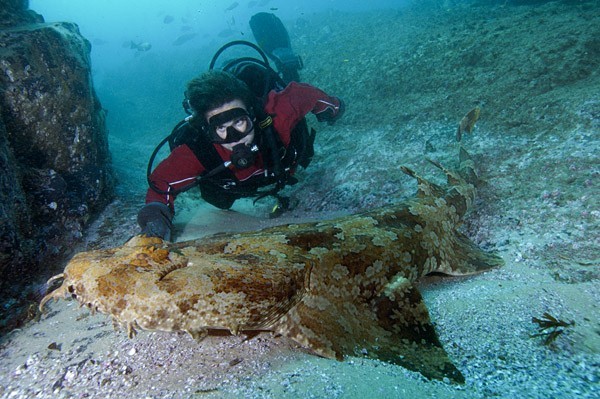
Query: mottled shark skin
<point x="339" y="287"/>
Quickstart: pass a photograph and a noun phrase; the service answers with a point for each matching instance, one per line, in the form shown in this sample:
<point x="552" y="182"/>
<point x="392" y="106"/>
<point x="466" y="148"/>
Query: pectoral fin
<point x="393" y="326"/>
<point x="410" y="339"/>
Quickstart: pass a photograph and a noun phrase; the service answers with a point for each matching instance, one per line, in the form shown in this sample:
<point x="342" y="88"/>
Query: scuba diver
<point x="245" y="134"/>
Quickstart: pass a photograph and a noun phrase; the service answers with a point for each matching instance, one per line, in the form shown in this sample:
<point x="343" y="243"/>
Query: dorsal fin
<point x="453" y="177"/>
<point x="425" y="188"/>
<point x="466" y="167"/>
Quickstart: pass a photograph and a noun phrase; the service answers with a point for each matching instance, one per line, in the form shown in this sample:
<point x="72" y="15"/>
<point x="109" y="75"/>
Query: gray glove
<point x="155" y="220"/>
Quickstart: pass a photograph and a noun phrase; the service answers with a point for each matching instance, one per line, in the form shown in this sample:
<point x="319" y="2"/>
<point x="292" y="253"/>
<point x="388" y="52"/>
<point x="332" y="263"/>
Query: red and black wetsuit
<point x="287" y="108"/>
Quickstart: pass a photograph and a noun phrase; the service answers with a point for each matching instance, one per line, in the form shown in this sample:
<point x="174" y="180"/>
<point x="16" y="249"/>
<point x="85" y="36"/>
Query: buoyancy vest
<point x="280" y="162"/>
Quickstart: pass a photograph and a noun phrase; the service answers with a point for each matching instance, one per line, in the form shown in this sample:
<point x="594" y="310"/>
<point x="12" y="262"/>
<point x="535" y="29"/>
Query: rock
<point x="55" y="170"/>
<point x="13" y="206"/>
<point x="16" y="12"/>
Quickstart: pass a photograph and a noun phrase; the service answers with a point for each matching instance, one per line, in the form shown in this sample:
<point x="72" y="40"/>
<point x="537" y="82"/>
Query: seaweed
<point x="550" y="327"/>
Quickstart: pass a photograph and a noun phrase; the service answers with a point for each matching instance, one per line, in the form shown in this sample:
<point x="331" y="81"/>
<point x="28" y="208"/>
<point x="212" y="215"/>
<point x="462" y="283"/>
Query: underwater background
<point x="142" y="89"/>
<point x="408" y="72"/>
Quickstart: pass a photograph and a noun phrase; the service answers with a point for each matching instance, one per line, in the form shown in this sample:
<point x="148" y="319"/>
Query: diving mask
<point x="230" y="126"/>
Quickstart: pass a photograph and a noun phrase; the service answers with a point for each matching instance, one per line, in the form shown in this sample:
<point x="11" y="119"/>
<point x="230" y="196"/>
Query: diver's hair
<point x="215" y="88"/>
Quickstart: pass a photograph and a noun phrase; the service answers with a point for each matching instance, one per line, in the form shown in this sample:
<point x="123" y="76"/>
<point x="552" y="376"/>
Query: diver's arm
<point x="178" y="170"/>
<point x="298" y="99"/>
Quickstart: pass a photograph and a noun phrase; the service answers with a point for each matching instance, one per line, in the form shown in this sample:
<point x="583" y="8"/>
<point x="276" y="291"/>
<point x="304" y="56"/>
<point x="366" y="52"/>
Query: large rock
<point x="54" y="161"/>
<point x="16" y="12"/>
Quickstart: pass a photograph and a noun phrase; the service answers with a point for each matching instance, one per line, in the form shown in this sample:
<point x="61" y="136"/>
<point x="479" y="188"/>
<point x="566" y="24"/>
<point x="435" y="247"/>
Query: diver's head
<point x="223" y="106"/>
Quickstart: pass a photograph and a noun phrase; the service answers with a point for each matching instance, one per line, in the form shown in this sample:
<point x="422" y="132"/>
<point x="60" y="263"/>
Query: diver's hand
<point x="155" y="220"/>
<point x="331" y="114"/>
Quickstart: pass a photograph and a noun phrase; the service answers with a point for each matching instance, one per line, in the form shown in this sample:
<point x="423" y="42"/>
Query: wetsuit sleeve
<point x="178" y="170"/>
<point x="291" y="104"/>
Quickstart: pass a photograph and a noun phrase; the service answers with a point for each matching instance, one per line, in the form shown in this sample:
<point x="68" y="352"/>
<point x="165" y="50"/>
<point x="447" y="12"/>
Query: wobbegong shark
<point x="343" y="287"/>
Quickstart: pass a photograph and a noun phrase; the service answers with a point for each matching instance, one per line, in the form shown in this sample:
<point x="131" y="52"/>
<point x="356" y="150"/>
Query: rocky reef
<point x="55" y="168"/>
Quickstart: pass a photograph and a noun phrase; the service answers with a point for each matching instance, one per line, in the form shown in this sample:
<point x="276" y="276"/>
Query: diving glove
<point x="155" y="220"/>
<point x="331" y="114"/>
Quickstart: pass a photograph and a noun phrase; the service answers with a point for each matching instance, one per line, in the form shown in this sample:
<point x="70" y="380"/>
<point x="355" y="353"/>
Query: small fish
<point x="142" y="46"/>
<point x="232" y="6"/>
<point x="467" y="122"/>
<point x="183" y="39"/>
<point x="168" y="19"/>
<point x="273" y="8"/>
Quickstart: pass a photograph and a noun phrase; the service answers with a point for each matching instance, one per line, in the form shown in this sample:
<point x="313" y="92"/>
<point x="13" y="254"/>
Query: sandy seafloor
<point x="538" y="208"/>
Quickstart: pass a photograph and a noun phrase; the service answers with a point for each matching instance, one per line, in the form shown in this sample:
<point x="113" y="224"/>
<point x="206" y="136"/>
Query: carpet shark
<point x="342" y="287"/>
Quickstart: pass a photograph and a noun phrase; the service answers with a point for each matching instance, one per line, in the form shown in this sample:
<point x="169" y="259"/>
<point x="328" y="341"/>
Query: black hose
<point x="151" y="161"/>
<point x="235" y="43"/>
